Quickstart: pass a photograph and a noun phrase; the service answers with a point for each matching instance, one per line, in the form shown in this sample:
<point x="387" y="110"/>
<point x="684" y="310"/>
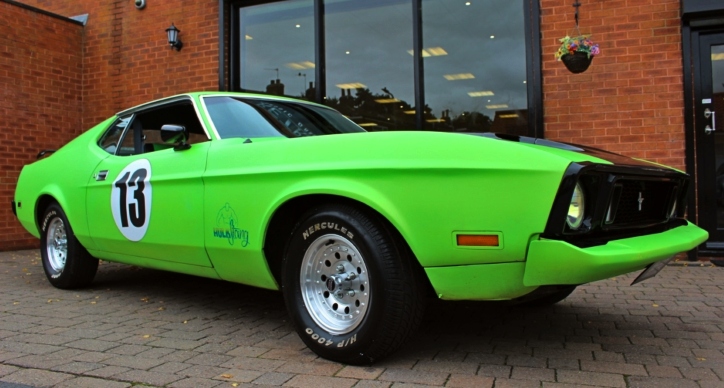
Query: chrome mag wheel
<point x="334" y="282"/>
<point x="66" y="263"/>
<point x="57" y="244"/>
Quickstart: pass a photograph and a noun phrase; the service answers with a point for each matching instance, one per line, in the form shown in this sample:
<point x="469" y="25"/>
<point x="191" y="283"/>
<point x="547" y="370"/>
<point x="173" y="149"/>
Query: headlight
<point x="672" y="212"/>
<point x="576" y="210"/>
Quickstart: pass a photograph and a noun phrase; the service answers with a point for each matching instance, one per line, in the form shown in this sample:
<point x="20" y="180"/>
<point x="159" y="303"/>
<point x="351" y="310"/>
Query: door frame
<point x="698" y="18"/>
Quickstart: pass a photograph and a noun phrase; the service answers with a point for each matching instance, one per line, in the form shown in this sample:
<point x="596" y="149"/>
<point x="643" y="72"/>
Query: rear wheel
<point x="65" y="262"/>
<point x="351" y="287"/>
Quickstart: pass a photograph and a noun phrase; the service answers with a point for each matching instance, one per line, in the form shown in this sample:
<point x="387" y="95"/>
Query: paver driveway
<point x="139" y="327"/>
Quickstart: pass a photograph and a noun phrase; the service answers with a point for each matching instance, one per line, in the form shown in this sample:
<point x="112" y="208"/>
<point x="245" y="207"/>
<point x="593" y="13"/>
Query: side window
<point x="143" y="132"/>
<point x="109" y="141"/>
<point x="149" y="124"/>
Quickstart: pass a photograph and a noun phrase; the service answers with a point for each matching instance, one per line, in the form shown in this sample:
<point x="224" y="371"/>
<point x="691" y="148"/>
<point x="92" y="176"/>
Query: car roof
<point x="190" y="97"/>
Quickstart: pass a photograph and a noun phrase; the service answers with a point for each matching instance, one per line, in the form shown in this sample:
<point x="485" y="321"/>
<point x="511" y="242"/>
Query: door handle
<point x="709" y="129"/>
<point x="101" y="176"/>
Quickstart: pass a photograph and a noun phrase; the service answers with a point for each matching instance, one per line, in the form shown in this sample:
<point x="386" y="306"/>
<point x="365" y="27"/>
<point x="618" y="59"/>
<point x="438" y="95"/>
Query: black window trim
<point x="135" y="111"/>
<point x="170" y="101"/>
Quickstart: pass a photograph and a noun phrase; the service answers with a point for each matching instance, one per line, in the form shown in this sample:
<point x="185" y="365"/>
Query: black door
<point x="709" y="133"/>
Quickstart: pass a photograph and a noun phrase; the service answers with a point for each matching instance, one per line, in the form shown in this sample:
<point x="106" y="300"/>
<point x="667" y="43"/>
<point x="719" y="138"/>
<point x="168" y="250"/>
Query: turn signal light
<point x="478" y="240"/>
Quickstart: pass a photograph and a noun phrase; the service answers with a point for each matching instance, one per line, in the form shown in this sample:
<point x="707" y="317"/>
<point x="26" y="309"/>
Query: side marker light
<point x="478" y="240"/>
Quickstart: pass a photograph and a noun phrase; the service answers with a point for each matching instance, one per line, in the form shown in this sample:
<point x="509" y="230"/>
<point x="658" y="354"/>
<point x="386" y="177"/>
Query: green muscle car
<point x="355" y="229"/>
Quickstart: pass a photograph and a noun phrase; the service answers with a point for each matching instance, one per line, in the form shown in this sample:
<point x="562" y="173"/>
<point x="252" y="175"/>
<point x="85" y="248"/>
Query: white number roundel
<point x="131" y="199"/>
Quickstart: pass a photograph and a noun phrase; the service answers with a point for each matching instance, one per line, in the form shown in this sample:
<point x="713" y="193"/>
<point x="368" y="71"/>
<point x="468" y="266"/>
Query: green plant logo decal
<point x="226" y="221"/>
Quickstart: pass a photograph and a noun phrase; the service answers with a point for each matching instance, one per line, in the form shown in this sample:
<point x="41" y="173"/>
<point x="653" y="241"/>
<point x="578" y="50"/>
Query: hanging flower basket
<point x="577" y="62"/>
<point x="577" y="52"/>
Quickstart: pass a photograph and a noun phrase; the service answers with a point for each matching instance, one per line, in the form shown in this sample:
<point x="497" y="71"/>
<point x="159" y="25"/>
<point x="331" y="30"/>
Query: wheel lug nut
<point x="339" y="294"/>
<point x="340" y="268"/>
<point x="350" y="293"/>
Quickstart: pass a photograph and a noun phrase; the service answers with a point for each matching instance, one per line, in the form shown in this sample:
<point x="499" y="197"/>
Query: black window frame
<point x="133" y="127"/>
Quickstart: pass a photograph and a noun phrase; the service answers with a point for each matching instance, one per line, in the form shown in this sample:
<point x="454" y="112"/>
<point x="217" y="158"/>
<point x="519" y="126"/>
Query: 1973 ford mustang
<point x="356" y="228"/>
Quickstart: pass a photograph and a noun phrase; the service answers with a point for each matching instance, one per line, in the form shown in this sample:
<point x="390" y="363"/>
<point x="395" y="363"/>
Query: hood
<point x="611" y="157"/>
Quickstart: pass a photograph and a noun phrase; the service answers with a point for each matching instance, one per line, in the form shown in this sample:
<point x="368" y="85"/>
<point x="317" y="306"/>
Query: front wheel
<point x="351" y="286"/>
<point x="65" y="262"/>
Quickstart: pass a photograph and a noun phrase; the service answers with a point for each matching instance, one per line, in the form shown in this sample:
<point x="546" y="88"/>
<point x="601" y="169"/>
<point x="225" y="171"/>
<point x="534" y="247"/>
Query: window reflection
<point x="277" y="48"/>
<point x="474" y="55"/>
<point x="475" y="66"/>
<point x="255" y="118"/>
<point x="369" y="70"/>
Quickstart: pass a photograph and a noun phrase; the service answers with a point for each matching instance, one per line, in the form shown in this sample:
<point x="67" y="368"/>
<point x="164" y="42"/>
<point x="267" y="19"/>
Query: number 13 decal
<point x="131" y="199"/>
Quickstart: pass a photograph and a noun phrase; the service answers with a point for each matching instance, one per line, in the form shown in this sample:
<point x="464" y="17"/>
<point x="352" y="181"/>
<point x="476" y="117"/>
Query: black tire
<point x="551" y="298"/>
<point x="66" y="263"/>
<point x="379" y="307"/>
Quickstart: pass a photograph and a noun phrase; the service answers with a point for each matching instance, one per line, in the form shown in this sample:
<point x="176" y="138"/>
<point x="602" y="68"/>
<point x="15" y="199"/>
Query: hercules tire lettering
<point x="327" y="342"/>
<point x="45" y="220"/>
<point x="396" y="291"/>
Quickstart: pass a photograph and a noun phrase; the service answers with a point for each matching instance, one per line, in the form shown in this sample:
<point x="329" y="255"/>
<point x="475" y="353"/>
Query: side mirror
<point x="175" y="134"/>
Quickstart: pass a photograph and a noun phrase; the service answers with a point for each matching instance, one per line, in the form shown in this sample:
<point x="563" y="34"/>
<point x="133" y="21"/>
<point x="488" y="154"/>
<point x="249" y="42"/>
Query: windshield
<point x="253" y="118"/>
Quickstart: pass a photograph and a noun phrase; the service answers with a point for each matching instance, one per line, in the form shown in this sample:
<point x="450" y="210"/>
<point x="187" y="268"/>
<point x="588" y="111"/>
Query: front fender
<point x="429" y="210"/>
<point x="341" y="186"/>
<point x="469" y="185"/>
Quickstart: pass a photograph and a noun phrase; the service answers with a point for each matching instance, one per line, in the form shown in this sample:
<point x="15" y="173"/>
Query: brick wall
<point x="40" y="103"/>
<point x="60" y="78"/>
<point x="631" y="98"/>
<point x="127" y="59"/>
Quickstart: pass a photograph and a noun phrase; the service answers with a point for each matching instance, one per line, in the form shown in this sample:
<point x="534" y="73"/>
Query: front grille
<point x="640" y="203"/>
<point x="621" y="201"/>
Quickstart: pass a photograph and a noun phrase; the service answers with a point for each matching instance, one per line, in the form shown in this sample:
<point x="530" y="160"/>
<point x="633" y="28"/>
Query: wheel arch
<point x="46" y="199"/>
<point x="40" y="205"/>
<point x="290" y="212"/>
<point x="76" y="217"/>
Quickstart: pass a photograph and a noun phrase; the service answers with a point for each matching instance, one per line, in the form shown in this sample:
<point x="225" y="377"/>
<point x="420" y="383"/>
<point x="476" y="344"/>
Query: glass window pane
<point x="109" y="141"/>
<point x="234" y="118"/>
<point x="277" y="48"/>
<point x="254" y="118"/>
<point x="369" y="62"/>
<point x="475" y="66"/>
<point x="128" y="143"/>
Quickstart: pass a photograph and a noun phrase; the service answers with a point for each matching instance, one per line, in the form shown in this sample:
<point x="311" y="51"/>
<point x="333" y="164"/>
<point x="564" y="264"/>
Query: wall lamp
<point x="173" y="38"/>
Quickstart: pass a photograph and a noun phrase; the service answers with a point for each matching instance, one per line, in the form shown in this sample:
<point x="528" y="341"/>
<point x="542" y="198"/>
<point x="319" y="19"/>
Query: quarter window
<point x="109" y="141"/>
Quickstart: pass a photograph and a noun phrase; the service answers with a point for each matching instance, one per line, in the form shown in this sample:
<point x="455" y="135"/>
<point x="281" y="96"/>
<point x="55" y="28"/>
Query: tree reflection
<point x="475" y="61"/>
<point x="382" y="112"/>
